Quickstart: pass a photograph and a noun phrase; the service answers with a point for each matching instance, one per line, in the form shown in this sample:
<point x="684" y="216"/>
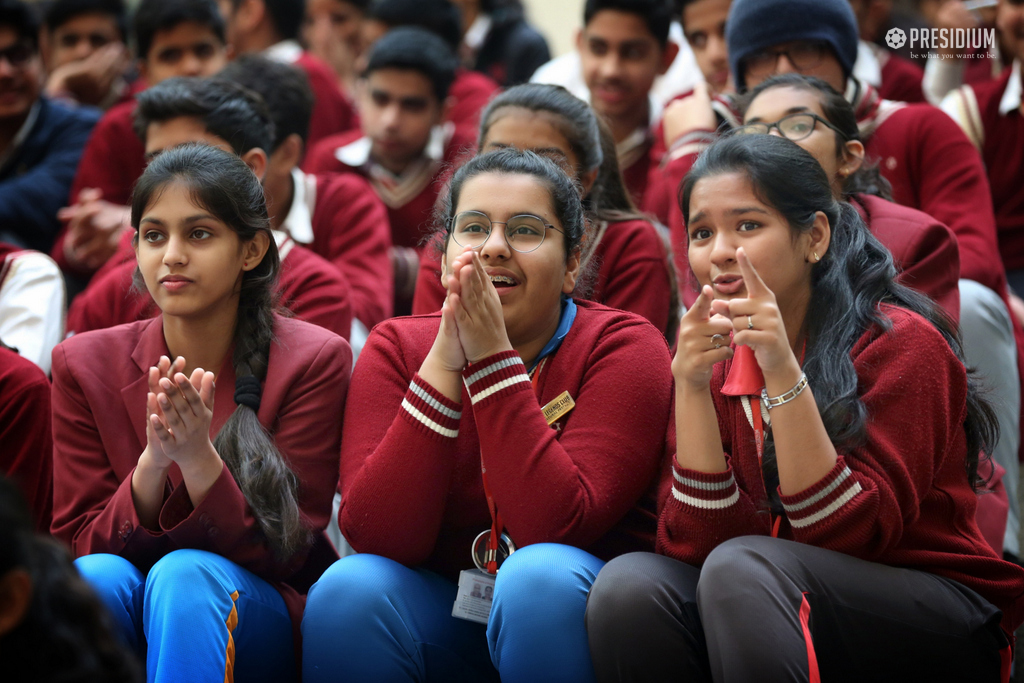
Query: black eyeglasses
<point x="17" y="55"/>
<point x="802" y="55"/>
<point x="524" y="233"/>
<point x="795" y="127"/>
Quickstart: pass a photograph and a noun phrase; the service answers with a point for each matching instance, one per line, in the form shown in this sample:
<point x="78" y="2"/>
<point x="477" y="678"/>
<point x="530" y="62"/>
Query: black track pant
<point x="765" y="609"/>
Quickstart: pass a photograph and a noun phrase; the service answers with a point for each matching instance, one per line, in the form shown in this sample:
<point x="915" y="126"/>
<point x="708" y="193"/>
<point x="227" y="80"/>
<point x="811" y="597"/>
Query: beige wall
<point x="557" y="20"/>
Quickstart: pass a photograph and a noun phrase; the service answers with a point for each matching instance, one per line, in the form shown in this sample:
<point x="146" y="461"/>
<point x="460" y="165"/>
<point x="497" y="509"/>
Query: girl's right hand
<point x="696" y="354"/>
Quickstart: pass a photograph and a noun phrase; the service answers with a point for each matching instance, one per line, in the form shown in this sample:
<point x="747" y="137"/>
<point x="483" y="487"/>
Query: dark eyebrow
<point x="199" y="217"/>
<point x="732" y="212"/>
<point x="791" y="110"/>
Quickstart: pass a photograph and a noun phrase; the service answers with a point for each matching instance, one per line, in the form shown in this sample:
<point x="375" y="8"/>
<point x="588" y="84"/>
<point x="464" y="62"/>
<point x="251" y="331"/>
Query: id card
<point x="476" y="594"/>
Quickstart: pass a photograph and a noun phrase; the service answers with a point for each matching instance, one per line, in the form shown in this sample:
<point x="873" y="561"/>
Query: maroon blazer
<point x="99" y="432"/>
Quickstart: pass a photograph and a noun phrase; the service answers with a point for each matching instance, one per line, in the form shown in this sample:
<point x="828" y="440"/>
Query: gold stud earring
<point x="815" y="255"/>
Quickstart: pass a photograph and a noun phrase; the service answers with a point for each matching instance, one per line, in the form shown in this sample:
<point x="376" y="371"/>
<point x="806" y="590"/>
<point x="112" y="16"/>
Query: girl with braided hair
<point x="195" y="500"/>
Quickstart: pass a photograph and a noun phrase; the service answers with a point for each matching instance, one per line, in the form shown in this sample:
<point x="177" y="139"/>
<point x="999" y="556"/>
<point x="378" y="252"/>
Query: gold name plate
<point x="559" y="407"/>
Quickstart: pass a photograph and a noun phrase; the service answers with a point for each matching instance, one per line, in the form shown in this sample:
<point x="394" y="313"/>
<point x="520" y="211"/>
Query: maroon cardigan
<point x="410" y="462"/>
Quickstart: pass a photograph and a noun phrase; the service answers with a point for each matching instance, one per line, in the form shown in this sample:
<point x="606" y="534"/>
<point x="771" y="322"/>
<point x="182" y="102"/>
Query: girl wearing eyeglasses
<point x="624" y="258"/>
<point x="515" y="415"/>
<point x="821" y="522"/>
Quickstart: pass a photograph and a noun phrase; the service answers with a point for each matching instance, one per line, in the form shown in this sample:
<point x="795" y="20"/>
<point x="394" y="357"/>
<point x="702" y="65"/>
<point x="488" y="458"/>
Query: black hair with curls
<point x="228" y="110"/>
<point x="565" y="196"/>
<point x="854" y="276"/>
<point x="224" y="185"/>
<point x="66" y="634"/>
<point x="153" y="16"/>
<point x="839" y="112"/>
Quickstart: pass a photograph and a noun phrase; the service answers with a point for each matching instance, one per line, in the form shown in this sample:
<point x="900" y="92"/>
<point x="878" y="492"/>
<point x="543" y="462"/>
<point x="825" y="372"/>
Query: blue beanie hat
<point x="754" y="25"/>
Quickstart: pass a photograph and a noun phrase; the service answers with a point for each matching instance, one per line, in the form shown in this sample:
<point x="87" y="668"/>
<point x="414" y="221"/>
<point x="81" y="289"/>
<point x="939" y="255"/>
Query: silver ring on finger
<point x="750" y="324"/>
<point x="717" y="339"/>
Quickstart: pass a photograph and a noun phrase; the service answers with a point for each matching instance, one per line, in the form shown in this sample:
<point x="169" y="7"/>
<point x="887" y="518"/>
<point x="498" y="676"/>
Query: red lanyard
<point x="755" y="412"/>
<point x="497" y="525"/>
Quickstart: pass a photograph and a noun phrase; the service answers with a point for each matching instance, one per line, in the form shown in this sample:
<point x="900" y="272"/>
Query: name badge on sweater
<point x="558" y="408"/>
<point x="475" y="597"/>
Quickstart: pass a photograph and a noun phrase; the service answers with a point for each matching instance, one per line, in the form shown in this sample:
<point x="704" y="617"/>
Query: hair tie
<point x="248" y="392"/>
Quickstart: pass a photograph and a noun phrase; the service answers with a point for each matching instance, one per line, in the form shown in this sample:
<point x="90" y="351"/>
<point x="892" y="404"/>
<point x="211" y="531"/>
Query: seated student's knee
<point x="624" y="593"/>
<point x="546" y="570"/>
<point x="738" y="566"/>
<point x="357" y="584"/>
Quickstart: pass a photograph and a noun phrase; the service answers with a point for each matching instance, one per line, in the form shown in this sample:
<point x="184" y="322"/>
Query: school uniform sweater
<point x="99" y="431"/>
<point x="311" y="288"/>
<point x="934" y="168"/>
<point x="411" y="461"/>
<point x="990" y="115"/>
<point x="349" y="227"/>
<point x="113" y="159"/>
<point x="630" y="272"/>
<point x="901" y="499"/>
<point x="470" y="92"/>
<point x="26" y="456"/>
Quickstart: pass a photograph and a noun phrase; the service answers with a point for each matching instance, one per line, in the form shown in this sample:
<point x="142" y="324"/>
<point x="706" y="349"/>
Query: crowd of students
<point x="360" y="340"/>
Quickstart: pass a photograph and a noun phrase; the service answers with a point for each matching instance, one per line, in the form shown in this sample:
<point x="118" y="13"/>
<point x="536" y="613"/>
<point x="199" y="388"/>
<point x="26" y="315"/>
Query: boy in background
<point x="403" y="149"/>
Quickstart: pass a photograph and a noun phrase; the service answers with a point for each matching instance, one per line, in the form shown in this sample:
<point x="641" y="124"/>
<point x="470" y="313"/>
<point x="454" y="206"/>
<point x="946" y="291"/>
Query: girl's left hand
<point x="477" y="309"/>
<point x="757" y="322"/>
<point x="187" y="407"/>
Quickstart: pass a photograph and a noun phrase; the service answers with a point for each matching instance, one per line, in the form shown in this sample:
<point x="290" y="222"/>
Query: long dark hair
<point x="222" y="184"/>
<point x="865" y="180"/>
<point x="565" y="198"/>
<point x="854" y="276"/>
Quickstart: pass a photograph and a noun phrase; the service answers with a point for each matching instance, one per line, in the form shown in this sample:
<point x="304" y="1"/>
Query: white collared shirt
<point x="31" y="305"/>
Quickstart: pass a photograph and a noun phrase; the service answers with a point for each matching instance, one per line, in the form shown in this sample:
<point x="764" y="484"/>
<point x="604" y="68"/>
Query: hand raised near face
<point x="757" y="321"/>
<point x="703" y="341"/>
<point x="477" y="309"/>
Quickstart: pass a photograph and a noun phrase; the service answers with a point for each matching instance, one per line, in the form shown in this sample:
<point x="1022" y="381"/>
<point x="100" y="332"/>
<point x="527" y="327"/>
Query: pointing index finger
<point x="751" y="278"/>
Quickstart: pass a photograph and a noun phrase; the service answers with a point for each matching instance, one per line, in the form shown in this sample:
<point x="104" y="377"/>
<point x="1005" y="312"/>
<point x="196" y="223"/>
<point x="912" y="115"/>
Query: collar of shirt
<point x="564" y="325"/>
<point x="287" y="51"/>
<point x="1012" y="96"/>
<point x="357" y="154"/>
<point x="635" y="144"/>
<point x="22" y="134"/>
<point x="477" y="33"/>
<point x="298" y="224"/>
<point x="868" y="67"/>
<point x="284" y="243"/>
